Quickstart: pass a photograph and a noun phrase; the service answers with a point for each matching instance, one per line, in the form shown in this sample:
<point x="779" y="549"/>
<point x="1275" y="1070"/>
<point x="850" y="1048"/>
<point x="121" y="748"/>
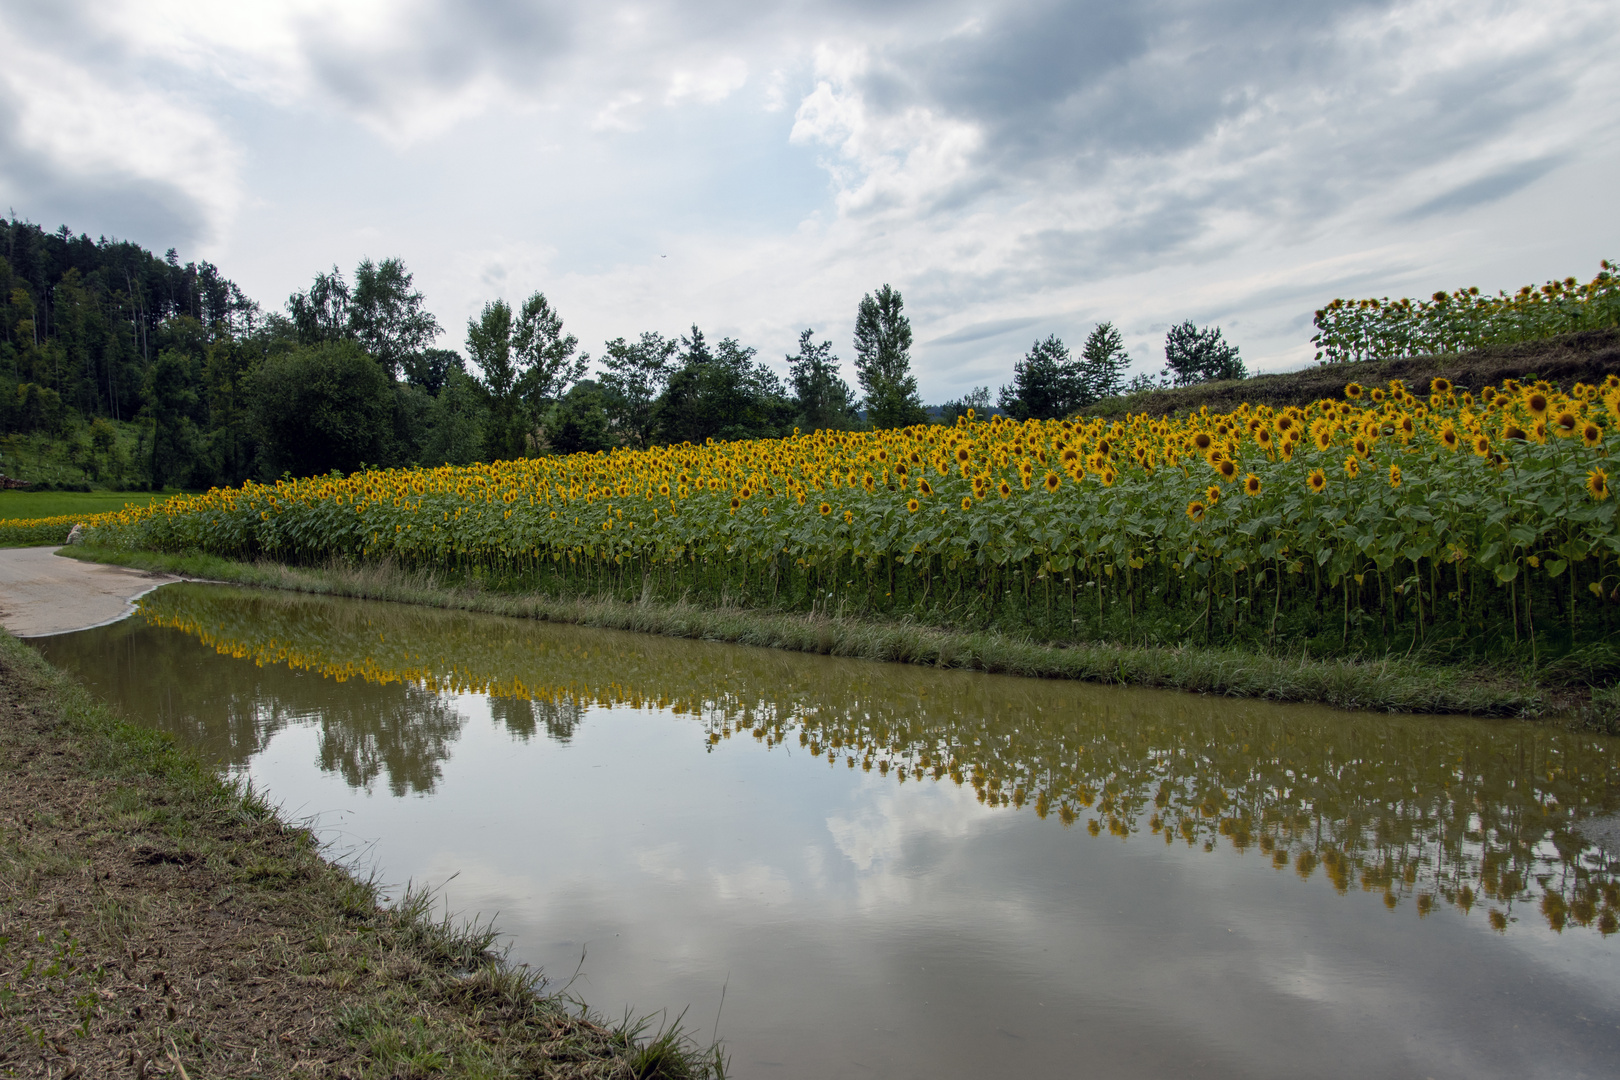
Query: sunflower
<point x="967" y="502"/>
<point x="1377" y="394"/>
<point x="1482" y="446"/>
<point x="1537" y="403"/>
<point x="1448" y="437"/>
<point x="1052" y="481"/>
<point x="824" y="509"/>
<point x="1203" y="441"/>
<point x="962" y="455"/>
<point x="1108" y="476"/>
<point x="1394" y="476"/>
<point x="1406" y="427"/>
<point x="1003" y="489"/>
<point x="1316" y="481"/>
<point x="1514" y="431"/>
<point x="1212" y="494"/>
<point x="1564" y="424"/>
<point x="663" y="489"/>
<point x="1440" y="386"/>
<point x="735" y="502"/>
<point x="1251" y="484"/>
<point x="924" y="487"/>
<point x="1323" y="437"/>
<point x="1597" y="482"/>
<point x="1591" y="434"/>
<point x="1195" y="510"/>
<point x="1227" y="468"/>
<point x="1263" y="437"/>
<point x="1353" y="391"/>
<point x="849" y="517"/>
<point x="1352" y="466"/>
<point x="913" y="505"/>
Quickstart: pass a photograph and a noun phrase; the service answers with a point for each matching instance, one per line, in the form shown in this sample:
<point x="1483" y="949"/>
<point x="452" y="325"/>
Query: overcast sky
<point x="1016" y="169"/>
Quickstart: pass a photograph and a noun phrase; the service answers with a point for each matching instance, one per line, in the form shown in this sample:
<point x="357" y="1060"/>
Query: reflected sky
<point x="903" y="872"/>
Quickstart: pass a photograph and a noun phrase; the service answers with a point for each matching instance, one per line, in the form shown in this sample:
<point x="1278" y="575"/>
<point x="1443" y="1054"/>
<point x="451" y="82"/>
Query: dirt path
<point x="41" y="593"/>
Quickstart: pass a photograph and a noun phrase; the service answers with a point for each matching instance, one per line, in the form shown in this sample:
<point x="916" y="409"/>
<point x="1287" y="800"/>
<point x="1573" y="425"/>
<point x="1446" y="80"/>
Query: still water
<point x="894" y="871"/>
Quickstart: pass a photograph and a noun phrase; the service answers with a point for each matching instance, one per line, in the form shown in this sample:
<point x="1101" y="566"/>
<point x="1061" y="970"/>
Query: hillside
<point x="1587" y="356"/>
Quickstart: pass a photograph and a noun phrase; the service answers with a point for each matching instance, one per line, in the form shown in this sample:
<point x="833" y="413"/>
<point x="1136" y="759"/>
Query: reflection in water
<point x="1420" y="810"/>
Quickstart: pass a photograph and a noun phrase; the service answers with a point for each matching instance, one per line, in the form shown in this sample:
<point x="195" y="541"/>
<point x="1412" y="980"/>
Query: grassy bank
<point x="158" y="921"/>
<point x="1395" y="684"/>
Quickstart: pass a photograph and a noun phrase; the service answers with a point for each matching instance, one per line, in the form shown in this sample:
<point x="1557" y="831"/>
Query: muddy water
<point x="900" y="872"/>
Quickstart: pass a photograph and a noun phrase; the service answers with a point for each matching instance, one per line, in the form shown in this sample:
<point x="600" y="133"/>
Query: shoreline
<point x="1394" y="685"/>
<point x="154" y="916"/>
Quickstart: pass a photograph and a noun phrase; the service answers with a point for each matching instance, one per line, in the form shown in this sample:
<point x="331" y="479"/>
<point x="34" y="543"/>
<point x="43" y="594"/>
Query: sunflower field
<point x="1451" y="322"/>
<point x="1375" y="521"/>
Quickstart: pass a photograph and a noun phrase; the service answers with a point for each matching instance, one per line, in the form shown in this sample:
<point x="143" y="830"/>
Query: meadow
<point x="1380" y="523"/>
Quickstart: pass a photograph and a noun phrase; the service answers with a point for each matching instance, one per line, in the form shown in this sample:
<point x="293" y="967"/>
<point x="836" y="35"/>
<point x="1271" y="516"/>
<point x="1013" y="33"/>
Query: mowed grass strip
<point x="29" y="505"/>
<point x="155" y="918"/>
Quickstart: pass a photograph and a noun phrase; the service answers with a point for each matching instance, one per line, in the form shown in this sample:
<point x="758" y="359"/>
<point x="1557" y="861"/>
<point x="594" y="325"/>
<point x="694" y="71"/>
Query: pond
<point x="905" y="872"/>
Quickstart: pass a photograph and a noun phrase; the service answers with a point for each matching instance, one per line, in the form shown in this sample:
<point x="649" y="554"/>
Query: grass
<point x="158" y="920"/>
<point x="1396" y="684"/>
<point x="25" y="505"/>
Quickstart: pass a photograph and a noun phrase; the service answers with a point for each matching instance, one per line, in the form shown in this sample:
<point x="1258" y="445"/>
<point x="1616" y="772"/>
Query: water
<point x="900" y="872"/>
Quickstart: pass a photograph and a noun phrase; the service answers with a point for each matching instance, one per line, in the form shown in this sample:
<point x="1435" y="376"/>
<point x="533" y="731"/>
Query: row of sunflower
<point x="1496" y="504"/>
<point x="1450" y="322"/>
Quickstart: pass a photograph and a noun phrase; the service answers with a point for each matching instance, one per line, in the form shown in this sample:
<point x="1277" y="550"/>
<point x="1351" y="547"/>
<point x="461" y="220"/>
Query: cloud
<point x="983" y="330"/>
<point x="77" y="145"/>
<point x="1234" y="161"/>
<point x="1497" y="185"/>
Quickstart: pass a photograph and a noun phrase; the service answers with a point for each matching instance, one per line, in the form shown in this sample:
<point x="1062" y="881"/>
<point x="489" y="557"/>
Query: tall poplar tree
<point x="883" y="361"/>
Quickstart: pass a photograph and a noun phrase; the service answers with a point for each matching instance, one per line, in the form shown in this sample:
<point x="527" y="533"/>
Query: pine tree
<point x="1103" y="361"/>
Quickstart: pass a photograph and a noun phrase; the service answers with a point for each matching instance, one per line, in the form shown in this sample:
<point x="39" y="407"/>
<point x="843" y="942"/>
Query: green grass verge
<point x="154" y="914"/>
<point x="21" y="505"/>
<point x="1394" y="685"/>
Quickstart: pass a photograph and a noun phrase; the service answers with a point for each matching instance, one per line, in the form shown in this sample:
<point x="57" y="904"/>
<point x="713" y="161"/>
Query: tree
<point x="456" y="419"/>
<point x="430" y="368"/>
<point x="976" y="401"/>
<point x="1046" y="383"/>
<point x="1103" y="361"/>
<point x="578" y="422"/>
<point x="544" y="354"/>
<point x="322" y="313"/>
<point x="636" y="375"/>
<point x="322" y="407"/>
<point x="883" y="361"/>
<point x="386" y="315"/>
<point x="489" y="345"/>
<point x="821" y="397"/>
<point x="721" y="393"/>
<point x="170" y="400"/>
<point x="1192" y="355"/>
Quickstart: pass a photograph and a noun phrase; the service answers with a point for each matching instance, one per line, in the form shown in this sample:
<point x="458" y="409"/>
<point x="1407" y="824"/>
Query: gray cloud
<point x="983" y="330"/>
<point x="1497" y="185"/>
<point x="103" y="202"/>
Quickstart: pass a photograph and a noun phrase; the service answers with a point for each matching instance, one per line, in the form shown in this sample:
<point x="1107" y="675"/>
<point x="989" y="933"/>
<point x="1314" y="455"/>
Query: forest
<point x="125" y="370"/>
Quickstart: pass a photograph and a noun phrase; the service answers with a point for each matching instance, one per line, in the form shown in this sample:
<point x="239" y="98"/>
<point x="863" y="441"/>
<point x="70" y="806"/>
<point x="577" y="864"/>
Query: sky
<point x="1015" y="169"/>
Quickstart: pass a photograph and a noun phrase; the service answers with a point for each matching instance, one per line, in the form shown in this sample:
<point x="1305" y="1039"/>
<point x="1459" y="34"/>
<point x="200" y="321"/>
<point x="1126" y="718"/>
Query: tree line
<point x="217" y="390"/>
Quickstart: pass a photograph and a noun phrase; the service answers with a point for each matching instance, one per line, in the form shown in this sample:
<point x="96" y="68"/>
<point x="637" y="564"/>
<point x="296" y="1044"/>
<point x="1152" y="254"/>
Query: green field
<point x="43" y="504"/>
